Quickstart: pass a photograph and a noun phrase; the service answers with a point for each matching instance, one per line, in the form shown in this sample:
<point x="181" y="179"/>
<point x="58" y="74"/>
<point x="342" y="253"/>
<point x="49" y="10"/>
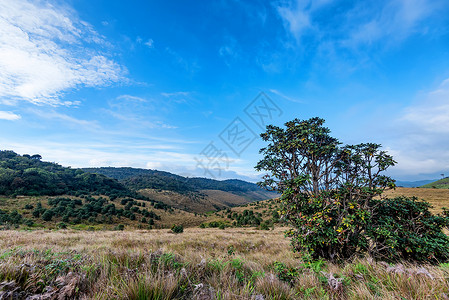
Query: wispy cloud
<point x="392" y="22"/>
<point x="422" y="135"/>
<point x="360" y="24"/>
<point x="149" y="43"/>
<point x="131" y="98"/>
<point x="432" y="114"/>
<point x="136" y="111"/>
<point x="276" y="92"/>
<point x="191" y="66"/>
<point x="56" y="116"/>
<point x="46" y="50"/>
<point x="10" y="116"/>
<point x="230" y="51"/>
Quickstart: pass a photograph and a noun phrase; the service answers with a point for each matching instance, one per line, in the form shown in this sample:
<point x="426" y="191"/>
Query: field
<point x="439" y="198"/>
<point x="200" y="263"/>
<point x="234" y="263"/>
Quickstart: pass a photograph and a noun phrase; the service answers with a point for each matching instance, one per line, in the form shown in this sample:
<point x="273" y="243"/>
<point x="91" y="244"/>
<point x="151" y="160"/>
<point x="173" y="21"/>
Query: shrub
<point x="47" y="215"/>
<point x="62" y="225"/>
<point x="28" y="222"/>
<point x="119" y="227"/>
<point x="405" y="228"/>
<point x="177" y="229"/>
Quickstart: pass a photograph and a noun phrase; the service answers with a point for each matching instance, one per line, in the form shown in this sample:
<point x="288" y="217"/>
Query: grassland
<point x="439" y="198"/>
<point x="197" y="264"/>
<point x="201" y="263"/>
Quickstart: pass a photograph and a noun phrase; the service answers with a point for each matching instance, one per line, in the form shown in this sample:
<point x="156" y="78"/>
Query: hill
<point x="28" y="175"/>
<point x="45" y="194"/>
<point x="153" y="179"/>
<point x="439" y="184"/>
<point x="190" y="194"/>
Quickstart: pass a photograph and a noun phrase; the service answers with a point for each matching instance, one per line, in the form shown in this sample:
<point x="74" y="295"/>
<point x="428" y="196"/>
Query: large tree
<point x="328" y="190"/>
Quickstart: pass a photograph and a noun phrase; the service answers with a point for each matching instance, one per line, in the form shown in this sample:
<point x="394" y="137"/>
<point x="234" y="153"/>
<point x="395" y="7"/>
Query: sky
<point x="187" y="87"/>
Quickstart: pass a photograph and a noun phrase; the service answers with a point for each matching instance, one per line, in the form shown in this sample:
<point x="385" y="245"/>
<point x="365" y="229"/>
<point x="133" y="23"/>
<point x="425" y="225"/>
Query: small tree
<point x="177" y="228"/>
<point x="327" y="189"/>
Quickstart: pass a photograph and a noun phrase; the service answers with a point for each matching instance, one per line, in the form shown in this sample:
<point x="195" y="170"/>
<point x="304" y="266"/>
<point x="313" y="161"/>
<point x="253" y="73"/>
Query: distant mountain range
<point x="438" y="184"/>
<point x="190" y="194"/>
<point x="413" y="183"/>
<point x="29" y="175"/>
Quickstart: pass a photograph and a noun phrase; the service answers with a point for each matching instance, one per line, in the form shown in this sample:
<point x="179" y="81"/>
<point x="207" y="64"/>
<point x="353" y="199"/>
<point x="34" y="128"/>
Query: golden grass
<point x="439" y="198"/>
<point x="235" y="263"/>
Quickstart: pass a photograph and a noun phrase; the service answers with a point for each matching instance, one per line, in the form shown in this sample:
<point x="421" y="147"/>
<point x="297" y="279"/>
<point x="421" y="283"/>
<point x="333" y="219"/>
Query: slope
<point x="439" y="184"/>
<point x="197" y="195"/>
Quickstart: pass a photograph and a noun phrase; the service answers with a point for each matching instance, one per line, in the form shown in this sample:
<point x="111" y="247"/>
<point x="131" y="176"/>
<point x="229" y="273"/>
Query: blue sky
<point x="165" y="84"/>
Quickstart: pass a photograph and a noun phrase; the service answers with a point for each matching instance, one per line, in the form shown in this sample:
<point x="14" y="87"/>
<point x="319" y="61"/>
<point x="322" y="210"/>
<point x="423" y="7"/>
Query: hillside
<point x="29" y="175"/>
<point x="153" y="179"/>
<point x="190" y="194"/>
<point x="439" y="184"/>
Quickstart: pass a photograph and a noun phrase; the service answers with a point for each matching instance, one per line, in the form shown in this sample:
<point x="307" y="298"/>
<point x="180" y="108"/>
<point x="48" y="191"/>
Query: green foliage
<point x="214" y="224"/>
<point x="284" y="273"/>
<point x="47" y="215"/>
<point x="328" y="197"/>
<point x="10" y="218"/>
<point x="405" y="228"/>
<point x="247" y="218"/>
<point x="62" y="225"/>
<point x="28" y="175"/>
<point x="177" y="229"/>
<point x="439" y="184"/>
<point x="119" y="227"/>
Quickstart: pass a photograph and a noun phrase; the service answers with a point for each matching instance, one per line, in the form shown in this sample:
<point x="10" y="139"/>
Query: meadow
<point x="209" y="263"/>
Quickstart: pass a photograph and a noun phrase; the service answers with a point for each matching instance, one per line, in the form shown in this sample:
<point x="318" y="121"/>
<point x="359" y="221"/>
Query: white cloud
<point x="432" y="114"/>
<point x="392" y="22"/>
<point x="364" y="23"/>
<point x="297" y="16"/>
<point x="135" y="112"/>
<point x="282" y="95"/>
<point x="421" y="137"/>
<point x="53" y="115"/>
<point x="45" y="50"/>
<point x="131" y="98"/>
<point x="10" y="116"/>
<point x="149" y="43"/>
<point x="167" y="95"/>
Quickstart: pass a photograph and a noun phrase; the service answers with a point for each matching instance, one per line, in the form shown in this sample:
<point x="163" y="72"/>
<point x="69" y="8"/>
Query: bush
<point x="404" y="228"/>
<point x="177" y="229"/>
<point x="28" y="222"/>
<point x="119" y="227"/>
<point x="47" y="215"/>
<point x="62" y="225"/>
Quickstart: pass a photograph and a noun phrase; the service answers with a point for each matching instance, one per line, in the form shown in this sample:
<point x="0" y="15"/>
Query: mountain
<point x="439" y="184"/>
<point x="413" y="183"/>
<point x="190" y="194"/>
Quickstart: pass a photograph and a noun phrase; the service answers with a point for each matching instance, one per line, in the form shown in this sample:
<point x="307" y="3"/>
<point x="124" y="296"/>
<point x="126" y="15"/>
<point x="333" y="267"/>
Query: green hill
<point x="153" y="179"/>
<point x="29" y="175"/>
<point x="439" y="184"/>
<point x="190" y="194"/>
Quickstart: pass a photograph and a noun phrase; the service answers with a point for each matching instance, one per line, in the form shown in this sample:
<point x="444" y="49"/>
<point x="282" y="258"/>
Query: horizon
<point x="179" y="86"/>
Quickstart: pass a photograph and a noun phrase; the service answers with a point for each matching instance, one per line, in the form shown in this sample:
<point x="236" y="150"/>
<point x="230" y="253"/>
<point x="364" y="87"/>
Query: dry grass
<point x="198" y="264"/>
<point x="439" y="198"/>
